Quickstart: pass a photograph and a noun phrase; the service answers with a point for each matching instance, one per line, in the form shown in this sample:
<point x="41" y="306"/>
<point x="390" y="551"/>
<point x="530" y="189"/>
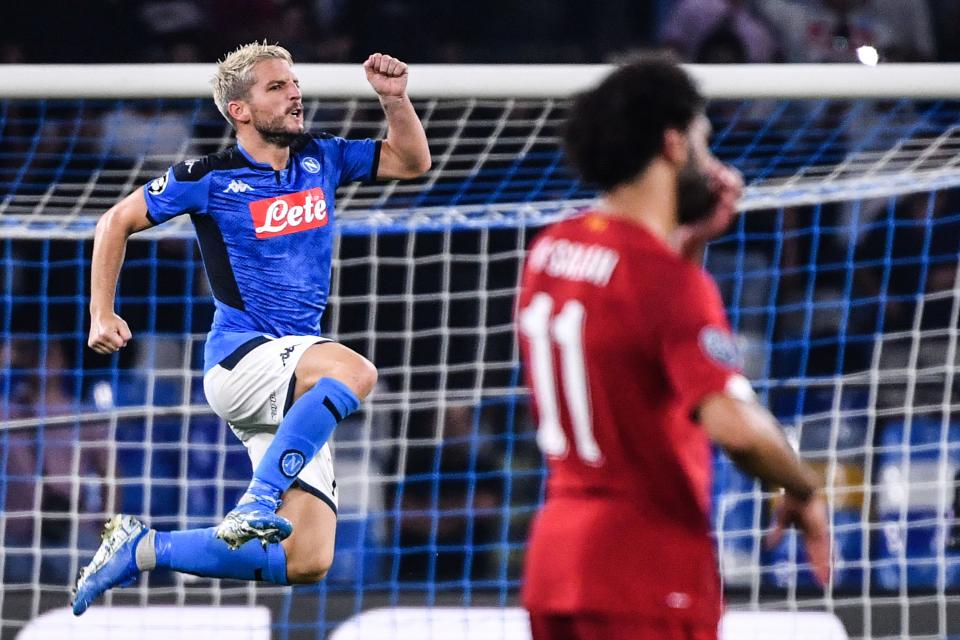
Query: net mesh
<point x="840" y="280"/>
<point x="66" y="161"/>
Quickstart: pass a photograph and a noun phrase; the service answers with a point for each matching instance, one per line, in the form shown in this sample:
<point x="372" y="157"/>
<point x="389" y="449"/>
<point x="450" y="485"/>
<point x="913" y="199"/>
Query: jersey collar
<point x="262" y="166"/>
<point x="633" y="228"/>
<point x="297" y="145"/>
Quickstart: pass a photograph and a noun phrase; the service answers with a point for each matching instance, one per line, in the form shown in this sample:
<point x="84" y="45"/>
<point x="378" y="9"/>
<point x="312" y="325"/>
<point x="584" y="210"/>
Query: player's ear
<point x="676" y="147"/>
<point x="239" y="111"/>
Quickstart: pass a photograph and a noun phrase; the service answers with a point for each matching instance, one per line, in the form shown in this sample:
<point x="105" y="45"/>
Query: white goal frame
<point x="488" y="81"/>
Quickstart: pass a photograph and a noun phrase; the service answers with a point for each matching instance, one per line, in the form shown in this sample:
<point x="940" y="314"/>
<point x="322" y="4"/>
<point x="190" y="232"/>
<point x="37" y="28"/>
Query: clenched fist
<point x="108" y="333"/>
<point x="386" y="74"/>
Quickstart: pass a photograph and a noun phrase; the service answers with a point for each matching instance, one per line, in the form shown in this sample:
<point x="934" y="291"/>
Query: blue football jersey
<point x="266" y="236"/>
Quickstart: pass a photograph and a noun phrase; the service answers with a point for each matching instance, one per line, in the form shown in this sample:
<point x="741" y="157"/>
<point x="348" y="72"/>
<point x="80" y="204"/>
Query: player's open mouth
<point x="296" y="113"/>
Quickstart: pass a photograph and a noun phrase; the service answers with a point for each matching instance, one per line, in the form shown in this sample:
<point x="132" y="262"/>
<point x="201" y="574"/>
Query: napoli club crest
<point x="291" y="462"/>
<point x="310" y="164"/>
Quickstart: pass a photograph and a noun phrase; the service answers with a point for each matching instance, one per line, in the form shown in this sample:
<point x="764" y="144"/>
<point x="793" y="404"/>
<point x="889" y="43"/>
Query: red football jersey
<point x="621" y="339"/>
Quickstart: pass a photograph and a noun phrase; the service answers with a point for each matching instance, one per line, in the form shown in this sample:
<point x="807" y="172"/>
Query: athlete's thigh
<point x="310" y="504"/>
<point x="316" y="478"/>
<point x="334" y="360"/>
<point x="252" y="391"/>
<point x="314" y="525"/>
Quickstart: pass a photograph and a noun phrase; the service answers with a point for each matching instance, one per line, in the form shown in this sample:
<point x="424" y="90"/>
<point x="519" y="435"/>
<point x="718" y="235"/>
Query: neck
<point x="650" y="199"/>
<point x="263" y="151"/>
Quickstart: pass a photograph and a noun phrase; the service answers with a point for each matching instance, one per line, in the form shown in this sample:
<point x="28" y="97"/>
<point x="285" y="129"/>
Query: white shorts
<point x="252" y="389"/>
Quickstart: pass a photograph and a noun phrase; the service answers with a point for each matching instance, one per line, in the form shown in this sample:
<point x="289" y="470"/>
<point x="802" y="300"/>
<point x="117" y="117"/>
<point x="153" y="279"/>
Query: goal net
<point x="840" y="280"/>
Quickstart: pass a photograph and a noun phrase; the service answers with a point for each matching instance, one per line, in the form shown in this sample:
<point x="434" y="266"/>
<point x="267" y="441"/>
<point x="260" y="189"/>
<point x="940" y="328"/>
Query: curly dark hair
<point x="614" y="130"/>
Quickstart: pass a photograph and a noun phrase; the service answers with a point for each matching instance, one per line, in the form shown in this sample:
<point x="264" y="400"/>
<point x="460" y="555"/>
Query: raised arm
<point x="753" y="440"/>
<point x="405" y="153"/>
<point x="108" y="331"/>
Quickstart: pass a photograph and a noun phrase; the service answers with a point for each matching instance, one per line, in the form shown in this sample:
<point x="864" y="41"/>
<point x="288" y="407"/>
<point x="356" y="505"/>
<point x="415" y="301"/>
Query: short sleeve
<point x="358" y="159"/>
<point x="699" y="352"/>
<point x="176" y="192"/>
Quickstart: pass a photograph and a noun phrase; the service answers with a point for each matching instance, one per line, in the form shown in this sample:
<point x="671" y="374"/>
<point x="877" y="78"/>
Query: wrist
<point x="389" y="100"/>
<point x="808" y="488"/>
<point x="801" y="495"/>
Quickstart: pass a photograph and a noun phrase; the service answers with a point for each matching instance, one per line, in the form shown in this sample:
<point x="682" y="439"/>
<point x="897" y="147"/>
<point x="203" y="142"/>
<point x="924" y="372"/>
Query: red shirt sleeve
<point x="699" y="352"/>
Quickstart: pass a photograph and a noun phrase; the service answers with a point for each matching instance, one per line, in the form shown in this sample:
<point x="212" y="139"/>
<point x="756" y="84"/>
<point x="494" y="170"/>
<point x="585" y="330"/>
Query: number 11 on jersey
<point x="566" y="330"/>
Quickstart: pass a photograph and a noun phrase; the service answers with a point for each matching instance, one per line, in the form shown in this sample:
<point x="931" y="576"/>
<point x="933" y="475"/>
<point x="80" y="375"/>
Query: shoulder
<point x="195" y="169"/>
<point x="319" y="142"/>
<point x="317" y="145"/>
<point x="577" y="226"/>
<point x="307" y="142"/>
<point x="692" y="293"/>
<point x="546" y="241"/>
<point x="689" y="280"/>
<point x="671" y="285"/>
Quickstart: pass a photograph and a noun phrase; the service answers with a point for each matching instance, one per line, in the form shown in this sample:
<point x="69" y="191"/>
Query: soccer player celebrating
<point x="263" y="211"/>
<point x="634" y="371"/>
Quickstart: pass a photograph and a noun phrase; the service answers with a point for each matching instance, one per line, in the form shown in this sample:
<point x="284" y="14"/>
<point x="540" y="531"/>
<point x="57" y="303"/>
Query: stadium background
<point x="486" y="505"/>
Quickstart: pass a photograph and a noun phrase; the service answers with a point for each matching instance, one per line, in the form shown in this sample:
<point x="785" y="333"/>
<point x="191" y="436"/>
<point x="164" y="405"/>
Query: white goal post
<point x="905" y="166"/>
<point x="489" y="81"/>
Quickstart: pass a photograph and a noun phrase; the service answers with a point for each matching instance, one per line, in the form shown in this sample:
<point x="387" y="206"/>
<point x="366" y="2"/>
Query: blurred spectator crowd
<point x="709" y="31"/>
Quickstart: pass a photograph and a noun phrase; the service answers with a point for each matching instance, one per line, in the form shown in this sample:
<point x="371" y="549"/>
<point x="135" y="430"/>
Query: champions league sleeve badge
<point x="158" y="185"/>
<point x="720" y="346"/>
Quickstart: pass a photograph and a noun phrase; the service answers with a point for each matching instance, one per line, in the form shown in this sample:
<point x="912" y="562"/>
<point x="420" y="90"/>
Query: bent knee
<point x="359" y="375"/>
<point x="365" y="378"/>
<point x="306" y="576"/>
<point x="308" y="571"/>
<point x="336" y="361"/>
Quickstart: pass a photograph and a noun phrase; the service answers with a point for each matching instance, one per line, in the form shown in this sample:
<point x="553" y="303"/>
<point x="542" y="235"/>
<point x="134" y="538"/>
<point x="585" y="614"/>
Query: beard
<point x="274" y="131"/>
<point x="695" y="198"/>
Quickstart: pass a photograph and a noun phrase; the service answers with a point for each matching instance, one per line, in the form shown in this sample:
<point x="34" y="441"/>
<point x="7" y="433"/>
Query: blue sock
<point x="200" y="552"/>
<point x="303" y="431"/>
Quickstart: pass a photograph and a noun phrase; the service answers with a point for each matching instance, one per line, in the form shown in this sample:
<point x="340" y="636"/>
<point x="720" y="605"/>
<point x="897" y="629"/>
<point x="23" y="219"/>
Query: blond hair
<point x="235" y="72"/>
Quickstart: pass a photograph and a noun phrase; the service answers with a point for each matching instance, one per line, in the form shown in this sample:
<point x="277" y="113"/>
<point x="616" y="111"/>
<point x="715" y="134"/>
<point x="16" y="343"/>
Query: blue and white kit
<point x="266" y="238"/>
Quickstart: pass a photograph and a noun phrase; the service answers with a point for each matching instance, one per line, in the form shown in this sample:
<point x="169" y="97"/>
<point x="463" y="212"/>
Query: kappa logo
<point x="286" y="355"/>
<point x="158" y="185"/>
<point x="189" y="164"/>
<point x="237" y="186"/>
<point x="291" y="213"/>
<point x="310" y="164"/>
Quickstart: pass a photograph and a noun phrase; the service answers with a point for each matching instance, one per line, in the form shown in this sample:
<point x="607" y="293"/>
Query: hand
<point x="387" y="75"/>
<point x="108" y="333"/>
<point x="727" y="186"/>
<point x="810" y="517"/>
